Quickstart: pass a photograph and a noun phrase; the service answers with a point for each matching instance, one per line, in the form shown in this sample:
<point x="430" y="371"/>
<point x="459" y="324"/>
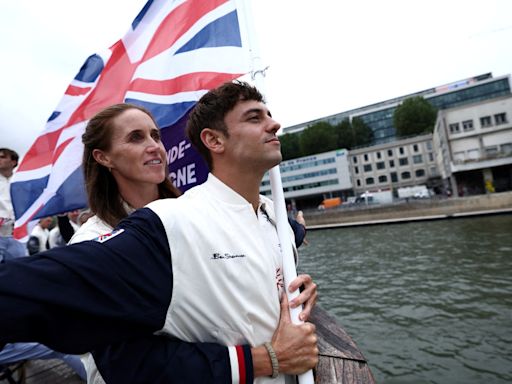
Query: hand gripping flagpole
<point x="283" y="230"/>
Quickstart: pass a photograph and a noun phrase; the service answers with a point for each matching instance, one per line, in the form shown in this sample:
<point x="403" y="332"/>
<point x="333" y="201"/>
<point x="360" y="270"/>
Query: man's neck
<point x="6" y="173"/>
<point x="246" y="184"/>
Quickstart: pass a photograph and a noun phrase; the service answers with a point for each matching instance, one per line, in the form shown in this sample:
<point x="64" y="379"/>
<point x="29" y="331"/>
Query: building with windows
<point x="379" y="116"/>
<point x="309" y="180"/>
<point x="388" y="166"/>
<point x="473" y="146"/>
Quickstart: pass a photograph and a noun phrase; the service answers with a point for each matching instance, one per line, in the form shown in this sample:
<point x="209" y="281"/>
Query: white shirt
<point x="6" y="209"/>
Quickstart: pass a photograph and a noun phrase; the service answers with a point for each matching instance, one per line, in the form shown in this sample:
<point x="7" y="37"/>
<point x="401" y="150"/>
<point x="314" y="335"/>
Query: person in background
<point x="9" y="247"/>
<point x="41" y="232"/>
<point x="112" y="307"/>
<point x="67" y="225"/>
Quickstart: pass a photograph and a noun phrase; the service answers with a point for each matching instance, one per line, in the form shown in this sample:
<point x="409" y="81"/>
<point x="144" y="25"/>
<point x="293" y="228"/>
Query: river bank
<point x="407" y="211"/>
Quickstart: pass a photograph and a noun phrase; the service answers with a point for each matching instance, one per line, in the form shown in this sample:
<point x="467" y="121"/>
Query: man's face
<point x="6" y="163"/>
<point x="252" y="141"/>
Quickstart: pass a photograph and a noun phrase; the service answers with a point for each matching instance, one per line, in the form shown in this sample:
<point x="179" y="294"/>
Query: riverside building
<point x="310" y="179"/>
<point x="473" y="147"/>
<point x="379" y="116"/>
<point x="401" y="163"/>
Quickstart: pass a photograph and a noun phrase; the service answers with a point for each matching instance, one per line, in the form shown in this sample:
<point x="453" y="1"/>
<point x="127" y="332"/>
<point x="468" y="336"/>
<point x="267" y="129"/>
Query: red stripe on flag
<point x="40" y="153"/>
<point x="241" y="364"/>
<point x="177" y="23"/>
<point x="73" y="90"/>
<point x="111" y="86"/>
<point x="185" y="83"/>
<point x="20" y="232"/>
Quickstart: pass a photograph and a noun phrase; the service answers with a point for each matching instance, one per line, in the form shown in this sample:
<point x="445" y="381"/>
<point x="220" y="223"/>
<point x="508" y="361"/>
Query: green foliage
<point x="353" y="134"/>
<point x="345" y="134"/>
<point x="323" y="137"/>
<point x="318" y="138"/>
<point x="363" y="134"/>
<point x="290" y="147"/>
<point x="414" y="117"/>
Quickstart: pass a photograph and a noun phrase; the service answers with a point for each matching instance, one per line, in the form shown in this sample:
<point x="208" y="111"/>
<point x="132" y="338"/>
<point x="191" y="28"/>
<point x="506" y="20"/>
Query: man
<point x="9" y="248"/>
<point x="204" y="267"/>
<point x="42" y="233"/>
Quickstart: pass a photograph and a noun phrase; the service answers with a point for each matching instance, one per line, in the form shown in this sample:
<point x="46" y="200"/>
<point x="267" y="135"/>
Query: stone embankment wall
<point x="427" y="208"/>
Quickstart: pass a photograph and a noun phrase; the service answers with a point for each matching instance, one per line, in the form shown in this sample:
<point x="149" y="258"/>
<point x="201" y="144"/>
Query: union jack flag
<point x="173" y="53"/>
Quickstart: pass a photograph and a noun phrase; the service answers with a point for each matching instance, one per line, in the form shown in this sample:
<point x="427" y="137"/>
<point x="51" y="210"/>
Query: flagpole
<point x="283" y="229"/>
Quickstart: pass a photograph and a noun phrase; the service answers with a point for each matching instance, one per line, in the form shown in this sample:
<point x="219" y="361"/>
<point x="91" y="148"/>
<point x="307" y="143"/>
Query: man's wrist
<point x="261" y="363"/>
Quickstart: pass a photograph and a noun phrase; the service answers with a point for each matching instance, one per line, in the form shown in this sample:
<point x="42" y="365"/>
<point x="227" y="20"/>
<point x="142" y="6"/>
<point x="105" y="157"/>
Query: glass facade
<point x="379" y="116"/>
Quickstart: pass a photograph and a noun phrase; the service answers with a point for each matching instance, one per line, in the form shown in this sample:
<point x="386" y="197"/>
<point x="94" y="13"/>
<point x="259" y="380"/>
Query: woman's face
<point x="136" y="156"/>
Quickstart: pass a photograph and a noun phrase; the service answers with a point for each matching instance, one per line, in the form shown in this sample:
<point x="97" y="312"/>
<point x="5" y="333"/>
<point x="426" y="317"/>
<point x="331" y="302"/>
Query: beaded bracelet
<point x="273" y="359"/>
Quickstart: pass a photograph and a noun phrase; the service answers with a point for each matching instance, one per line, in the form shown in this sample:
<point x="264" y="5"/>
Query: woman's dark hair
<point x="102" y="191"/>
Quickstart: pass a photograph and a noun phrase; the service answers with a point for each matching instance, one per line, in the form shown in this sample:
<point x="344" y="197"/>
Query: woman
<point x="125" y="168"/>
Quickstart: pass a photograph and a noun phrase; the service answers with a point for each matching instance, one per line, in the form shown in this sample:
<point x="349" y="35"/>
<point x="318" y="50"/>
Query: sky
<point x="324" y="56"/>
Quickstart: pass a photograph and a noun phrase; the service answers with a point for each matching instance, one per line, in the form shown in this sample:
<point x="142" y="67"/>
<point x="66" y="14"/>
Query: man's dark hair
<point x="9" y="152"/>
<point x="211" y="109"/>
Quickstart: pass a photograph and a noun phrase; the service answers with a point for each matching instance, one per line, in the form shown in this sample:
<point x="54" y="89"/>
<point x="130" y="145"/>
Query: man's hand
<point x="295" y="344"/>
<point x="295" y="347"/>
<point x="308" y="296"/>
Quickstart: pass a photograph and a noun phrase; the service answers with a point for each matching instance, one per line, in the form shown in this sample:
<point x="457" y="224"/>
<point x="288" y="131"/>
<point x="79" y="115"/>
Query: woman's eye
<point x="135" y="136"/>
<point x="155" y="135"/>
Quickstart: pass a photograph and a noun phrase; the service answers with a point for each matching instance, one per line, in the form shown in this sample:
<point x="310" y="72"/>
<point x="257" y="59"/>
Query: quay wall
<point x="412" y="209"/>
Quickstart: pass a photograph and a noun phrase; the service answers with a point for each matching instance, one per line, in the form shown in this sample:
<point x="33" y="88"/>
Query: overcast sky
<point x="325" y="56"/>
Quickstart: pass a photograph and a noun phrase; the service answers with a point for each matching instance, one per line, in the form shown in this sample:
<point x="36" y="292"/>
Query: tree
<point x="318" y="138"/>
<point x="345" y="134"/>
<point x="290" y="147"/>
<point x="353" y="134"/>
<point x="363" y="134"/>
<point x="414" y="116"/>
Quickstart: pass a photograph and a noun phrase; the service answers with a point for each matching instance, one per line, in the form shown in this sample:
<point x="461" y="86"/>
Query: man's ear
<point x="213" y="140"/>
<point x="102" y="158"/>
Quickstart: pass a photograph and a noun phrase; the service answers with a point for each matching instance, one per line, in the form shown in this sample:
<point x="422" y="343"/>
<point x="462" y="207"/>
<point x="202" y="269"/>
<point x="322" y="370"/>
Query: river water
<point x="426" y="302"/>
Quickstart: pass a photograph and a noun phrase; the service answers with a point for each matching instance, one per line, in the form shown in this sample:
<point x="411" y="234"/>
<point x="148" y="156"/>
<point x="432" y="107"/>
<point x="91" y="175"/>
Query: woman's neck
<point x="138" y="197"/>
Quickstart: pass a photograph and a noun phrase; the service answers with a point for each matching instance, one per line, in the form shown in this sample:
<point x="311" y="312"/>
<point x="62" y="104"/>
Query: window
<point x="358" y="182"/>
<point x="500" y="118"/>
<point x="405" y="175"/>
<point x="379" y="155"/>
<point x="403" y="161"/>
<point x="486" y="121"/>
<point x="430" y="156"/>
<point x="417" y="159"/>
<point x="391" y="163"/>
<point x="390" y="152"/>
<point x="420" y="173"/>
<point x="383" y="179"/>
<point x="401" y="150"/>
<point x="491" y="151"/>
<point x="454" y="128"/>
<point x="394" y="177"/>
<point x="370" y="180"/>
<point x="365" y="157"/>
<point x="356" y="170"/>
<point x="467" y="125"/>
<point x="415" y="147"/>
<point x="367" y="167"/>
<point x="429" y="145"/>
<point x="381" y="165"/>
<point x="473" y="154"/>
<point x="506" y="148"/>
<point x="354" y="159"/>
